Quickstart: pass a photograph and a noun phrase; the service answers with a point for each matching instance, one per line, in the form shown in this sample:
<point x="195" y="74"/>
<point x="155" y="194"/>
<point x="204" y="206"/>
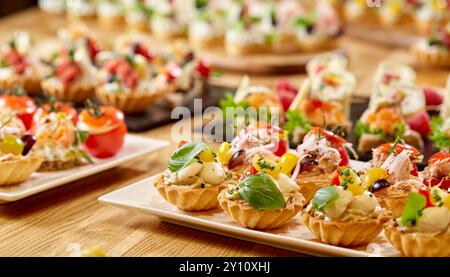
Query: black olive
<point x="309" y="29"/>
<point x="28" y="141"/>
<point x="307" y="162"/>
<point x="237" y="159"/>
<point x="379" y="185"/>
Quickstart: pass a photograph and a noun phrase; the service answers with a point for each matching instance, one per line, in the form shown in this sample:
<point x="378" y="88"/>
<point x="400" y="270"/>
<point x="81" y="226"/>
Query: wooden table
<point x="46" y="224"/>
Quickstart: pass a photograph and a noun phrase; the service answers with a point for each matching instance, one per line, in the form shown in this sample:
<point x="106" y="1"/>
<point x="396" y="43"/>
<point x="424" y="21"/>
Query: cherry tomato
<point x="57" y="107"/>
<point x="345" y="159"/>
<point x="335" y="180"/>
<point x="438" y="157"/>
<point x="421" y="124"/>
<point x="387" y="147"/>
<point x="443" y="183"/>
<point x="181" y="143"/>
<point x="282" y="148"/>
<point x="173" y="72"/>
<point x="432" y="96"/>
<point x="24" y="106"/>
<point x="330" y="136"/>
<point x="203" y="69"/>
<point x="415" y="170"/>
<point x="67" y="72"/>
<point x="253" y="170"/>
<point x="104" y="144"/>
<point x="286" y="92"/>
<point x="427" y="195"/>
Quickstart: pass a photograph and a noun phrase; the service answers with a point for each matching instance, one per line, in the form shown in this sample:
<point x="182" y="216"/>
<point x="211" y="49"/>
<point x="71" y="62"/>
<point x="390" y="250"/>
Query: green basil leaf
<point x="324" y="196"/>
<point x="261" y="193"/>
<point x="185" y="154"/>
<point x="81" y="136"/>
<point x="413" y="209"/>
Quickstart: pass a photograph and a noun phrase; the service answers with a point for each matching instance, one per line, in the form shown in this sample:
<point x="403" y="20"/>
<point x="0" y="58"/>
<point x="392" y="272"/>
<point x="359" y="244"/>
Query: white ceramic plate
<point x="142" y="196"/>
<point x="134" y="147"/>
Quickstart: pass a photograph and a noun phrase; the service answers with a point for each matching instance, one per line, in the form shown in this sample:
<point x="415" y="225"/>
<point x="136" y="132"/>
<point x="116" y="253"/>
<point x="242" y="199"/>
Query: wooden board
<point x="263" y="63"/>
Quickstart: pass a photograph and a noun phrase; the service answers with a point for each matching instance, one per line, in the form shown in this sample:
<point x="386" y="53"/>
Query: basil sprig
<point x="261" y="193"/>
<point x="185" y="154"/>
<point x="324" y="196"/>
<point x="413" y="209"/>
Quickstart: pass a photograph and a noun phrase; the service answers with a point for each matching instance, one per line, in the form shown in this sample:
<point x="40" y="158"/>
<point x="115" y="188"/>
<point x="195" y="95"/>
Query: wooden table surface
<point x="47" y="223"/>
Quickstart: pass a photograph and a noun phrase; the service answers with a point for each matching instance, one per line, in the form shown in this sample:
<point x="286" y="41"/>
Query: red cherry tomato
<point x="443" y="183"/>
<point x="432" y="97"/>
<point x="173" y="72"/>
<point x="345" y="159"/>
<point x="421" y="124"/>
<point x="427" y="195"/>
<point x="106" y="144"/>
<point x="16" y="61"/>
<point x="181" y="143"/>
<point x="387" y="147"/>
<point x="330" y="136"/>
<point x="57" y="107"/>
<point x="93" y="48"/>
<point x="253" y="170"/>
<point x="203" y="69"/>
<point x="438" y="157"/>
<point x="24" y="106"/>
<point x="415" y="170"/>
<point x="282" y="148"/>
<point x="286" y="92"/>
<point x="67" y="72"/>
<point x="335" y="180"/>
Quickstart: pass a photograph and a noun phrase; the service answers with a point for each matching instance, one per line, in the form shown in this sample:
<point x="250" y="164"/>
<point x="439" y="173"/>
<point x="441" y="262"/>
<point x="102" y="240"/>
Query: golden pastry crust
<point x="16" y="171"/>
<point x="248" y="217"/>
<point x="320" y="44"/>
<point x="346" y="233"/>
<point x="393" y="198"/>
<point x="417" y="244"/>
<point x="309" y="183"/>
<point x="31" y="84"/>
<point x="128" y="102"/>
<point x="48" y="166"/>
<point x="236" y="49"/>
<point x="111" y="20"/>
<point x="187" y="198"/>
<point x="287" y="44"/>
<point x="431" y="58"/>
<point x="75" y="93"/>
<point x="167" y="36"/>
<point x="201" y="43"/>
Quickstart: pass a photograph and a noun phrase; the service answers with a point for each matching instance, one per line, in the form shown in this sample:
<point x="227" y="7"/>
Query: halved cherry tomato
<point x="443" y="183"/>
<point x="253" y="170"/>
<point x="93" y="48"/>
<point x="23" y="106"/>
<point x="386" y="148"/>
<point x="427" y="195"/>
<point x="181" y="143"/>
<point x="107" y="130"/>
<point x="345" y="159"/>
<point x="335" y="180"/>
<point x="282" y="147"/>
<point x="438" y="157"/>
<point x="57" y="107"/>
<point x="67" y="72"/>
<point x="330" y="136"/>
<point x="203" y="69"/>
<point x="16" y="61"/>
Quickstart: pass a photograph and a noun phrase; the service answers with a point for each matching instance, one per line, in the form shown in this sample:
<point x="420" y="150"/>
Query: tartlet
<point x="16" y="162"/>
<point x="128" y="84"/>
<point x="73" y="77"/>
<point x="249" y="210"/>
<point x="346" y="214"/>
<point x="393" y="175"/>
<point x="320" y="155"/>
<point x="423" y="228"/>
<point x="18" y="67"/>
<point x="434" y="51"/>
<point x="193" y="179"/>
<point x="110" y="12"/>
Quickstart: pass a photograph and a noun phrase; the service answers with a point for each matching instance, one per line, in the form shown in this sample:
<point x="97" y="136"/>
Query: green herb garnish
<point x="439" y="138"/>
<point x="415" y="204"/>
<point x="261" y="193"/>
<point x="324" y="196"/>
<point x="184" y="155"/>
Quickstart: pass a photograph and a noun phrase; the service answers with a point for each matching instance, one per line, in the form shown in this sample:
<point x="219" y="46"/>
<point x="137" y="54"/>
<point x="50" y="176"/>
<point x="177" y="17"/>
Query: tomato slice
<point x="438" y="157"/>
<point x="427" y="195"/>
<point x="387" y="147"/>
<point x="345" y="159"/>
<point x="335" y="180"/>
<point x="330" y="136"/>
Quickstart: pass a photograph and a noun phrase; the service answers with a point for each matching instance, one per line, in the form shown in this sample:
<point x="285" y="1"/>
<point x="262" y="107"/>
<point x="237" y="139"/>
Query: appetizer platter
<point x="311" y="199"/>
<point x="395" y="22"/>
<point x="252" y="35"/>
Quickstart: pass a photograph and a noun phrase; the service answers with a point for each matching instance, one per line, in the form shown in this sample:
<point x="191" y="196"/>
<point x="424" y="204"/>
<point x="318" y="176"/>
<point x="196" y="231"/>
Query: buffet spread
<point x="292" y="167"/>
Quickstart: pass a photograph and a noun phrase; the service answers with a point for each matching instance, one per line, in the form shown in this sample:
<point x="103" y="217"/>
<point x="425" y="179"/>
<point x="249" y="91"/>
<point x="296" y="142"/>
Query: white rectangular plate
<point x="142" y="196"/>
<point x="134" y="147"/>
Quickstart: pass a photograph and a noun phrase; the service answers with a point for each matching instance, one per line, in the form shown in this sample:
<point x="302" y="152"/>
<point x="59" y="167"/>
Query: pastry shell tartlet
<point x="188" y="198"/>
<point x="16" y="170"/>
<point x="128" y="102"/>
<point x="77" y="93"/>
<point x="341" y="233"/>
<point x="432" y="58"/>
<point x="31" y="83"/>
<point x="309" y="183"/>
<point x="261" y="219"/>
<point x="418" y="244"/>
